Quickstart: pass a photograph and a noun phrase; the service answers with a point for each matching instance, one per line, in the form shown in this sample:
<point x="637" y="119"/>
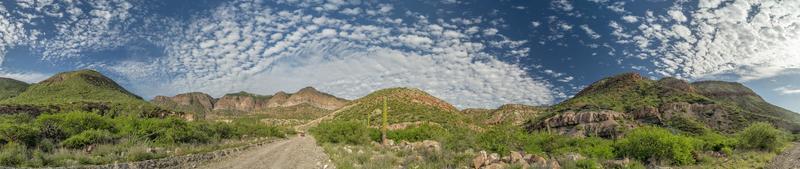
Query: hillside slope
<point x="406" y="105"/>
<point x="11" y="87"/>
<point x="612" y="105"/>
<point x="85" y="90"/>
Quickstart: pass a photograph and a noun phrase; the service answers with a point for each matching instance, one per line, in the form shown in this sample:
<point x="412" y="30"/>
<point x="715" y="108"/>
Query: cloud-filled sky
<point x="470" y="53"/>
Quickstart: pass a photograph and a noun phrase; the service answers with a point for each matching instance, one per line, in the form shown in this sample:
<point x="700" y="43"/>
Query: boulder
<point x="479" y="160"/>
<point x="500" y="165"/>
<point x="515" y="157"/>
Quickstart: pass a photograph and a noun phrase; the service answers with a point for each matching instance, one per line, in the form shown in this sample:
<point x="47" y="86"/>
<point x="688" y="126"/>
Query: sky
<point x="470" y="53"/>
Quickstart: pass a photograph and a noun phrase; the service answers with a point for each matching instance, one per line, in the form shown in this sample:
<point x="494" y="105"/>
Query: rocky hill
<point x="514" y="114"/>
<point x="11" y="87"/>
<point x="611" y="105"/>
<point x="303" y="101"/>
<point x="406" y="105"/>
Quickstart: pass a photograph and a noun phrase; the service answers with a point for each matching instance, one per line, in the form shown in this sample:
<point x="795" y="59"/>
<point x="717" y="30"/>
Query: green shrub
<point x="20" y="133"/>
<point x="348" y="132"/>
<point x="13" y="154"/>
<point x="502" y="139"/>
<point x="588" y="164"/>
<point x="88" y="137"/>
<point x="687" y="125"/>
<point x="419" y="133"/>
<point x="63" y="125"/>
<point x="715" y="142"/>
<point x="761" y="136"/>
<point x="646" y="143"/>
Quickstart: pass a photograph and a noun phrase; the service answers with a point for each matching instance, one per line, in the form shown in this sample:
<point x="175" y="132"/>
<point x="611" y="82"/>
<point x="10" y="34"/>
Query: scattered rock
<point x="478" y="161"/>
<point x="515" y="157"/>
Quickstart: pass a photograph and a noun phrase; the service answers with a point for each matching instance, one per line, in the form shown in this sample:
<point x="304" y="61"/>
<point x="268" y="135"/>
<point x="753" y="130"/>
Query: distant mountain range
<point x="606" y="108"/>
<point x="244" y="102"/>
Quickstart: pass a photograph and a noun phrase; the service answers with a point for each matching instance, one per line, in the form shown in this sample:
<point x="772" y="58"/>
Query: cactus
<point x="385" y="124"/>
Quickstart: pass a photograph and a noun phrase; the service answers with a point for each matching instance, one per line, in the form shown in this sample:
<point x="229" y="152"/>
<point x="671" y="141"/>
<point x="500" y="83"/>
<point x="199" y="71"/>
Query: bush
<point x="761" y="136"/>
<point x="20" y="133"/>
<point x="588" y="164"/>
<point x="348" y="132"/>
<point x="13" y="154"/>
<point x="63" y="125"/>
<point x="88" y="137"/>
<point x="651" y="143"/>
<point x="419" y="133"/>
<point x="503" y="139"/>
<point x="715" y="142"/>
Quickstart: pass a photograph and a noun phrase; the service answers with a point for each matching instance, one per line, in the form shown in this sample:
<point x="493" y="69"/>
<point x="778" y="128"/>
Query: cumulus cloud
<point x="80" y="25"/>
<point x="752" y="39"/>
<point x="264" y="49"/>
<point x="787" y="90"/>
<point x="591" y="33"/>
<point x="29" y="77"/>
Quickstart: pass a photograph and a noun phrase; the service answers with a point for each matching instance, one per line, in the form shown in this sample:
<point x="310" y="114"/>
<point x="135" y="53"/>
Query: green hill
<point x="405" y="105"/>
<point x="83" y="89"/>
<point x="615" y="104"/>
<point x="11" y="87"/>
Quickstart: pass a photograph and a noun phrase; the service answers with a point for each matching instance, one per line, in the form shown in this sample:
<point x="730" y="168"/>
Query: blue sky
<point x="470" y="53"/>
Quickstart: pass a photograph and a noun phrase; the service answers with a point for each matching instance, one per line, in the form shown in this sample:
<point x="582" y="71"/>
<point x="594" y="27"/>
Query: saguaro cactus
<point x="385" y="124"/>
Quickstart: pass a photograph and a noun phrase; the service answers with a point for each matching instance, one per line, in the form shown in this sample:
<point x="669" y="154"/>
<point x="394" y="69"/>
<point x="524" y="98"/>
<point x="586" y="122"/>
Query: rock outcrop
<point x="630" y="100"/>
<point x="194" y="102"/>
<point x="242" y="101"/>
<point x="586" y="123"/>
<point x="249" y="102"/>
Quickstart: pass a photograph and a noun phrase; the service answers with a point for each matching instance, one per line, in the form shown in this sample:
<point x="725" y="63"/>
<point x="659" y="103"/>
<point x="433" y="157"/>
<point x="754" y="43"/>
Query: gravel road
<point x="293" y="153"/>
<point x="789" y="159"/>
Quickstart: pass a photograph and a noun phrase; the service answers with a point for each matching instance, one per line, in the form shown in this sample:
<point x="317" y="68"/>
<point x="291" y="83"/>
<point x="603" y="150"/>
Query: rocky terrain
<point x="614" y="104"/>
<point x="515" y="114"/>
<point x="244" y="102"/>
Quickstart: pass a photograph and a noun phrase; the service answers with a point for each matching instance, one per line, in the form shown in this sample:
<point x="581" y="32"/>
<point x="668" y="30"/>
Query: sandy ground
<point x="293" y="153"/>
<point x="789" y="159"/>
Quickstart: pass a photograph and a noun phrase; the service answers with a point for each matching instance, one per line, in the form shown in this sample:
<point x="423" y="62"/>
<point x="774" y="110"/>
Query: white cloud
<point x="787" y="90"/>
<point x="263" y="50"/>
<point x="630" y="18"/>
<point x="752" y="39"/>
<point x="677" y="15"/>
<point x="351" y="11"/>
<point x="592" y="34"/>
<point x="29" y="77"/>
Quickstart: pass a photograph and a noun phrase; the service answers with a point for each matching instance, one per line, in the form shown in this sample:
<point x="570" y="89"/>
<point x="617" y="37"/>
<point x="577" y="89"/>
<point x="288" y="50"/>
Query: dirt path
<point x="788" y="159"/>
<point x="293" y="153"/>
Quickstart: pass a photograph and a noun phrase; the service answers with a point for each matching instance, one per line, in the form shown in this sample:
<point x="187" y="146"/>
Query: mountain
<point x="242" y="101"/>
<point x="406" y="105"/>
<point x="87" y="90"/>
<point x="514" y="114"/>
<point x="248" y="102"/>
<point x="611" y="105"/>
<point x="11" y="87"/>
<point x="743" y="97"/>
<point x="75" y="86"/>
<point x="315" y="98"/>
<point x="194" y="102"/>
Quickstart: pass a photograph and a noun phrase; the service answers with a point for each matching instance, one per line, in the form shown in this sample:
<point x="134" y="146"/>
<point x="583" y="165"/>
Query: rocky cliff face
<point x="249" y="102"/>
<point x="242" y="101"/>
<point x="315" y="98"/>
<point x="195" y="102"/>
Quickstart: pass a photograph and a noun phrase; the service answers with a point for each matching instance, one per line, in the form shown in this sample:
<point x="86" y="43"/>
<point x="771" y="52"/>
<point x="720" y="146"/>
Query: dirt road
<point x="293" y="153"/>
<point x="789" y="159"/>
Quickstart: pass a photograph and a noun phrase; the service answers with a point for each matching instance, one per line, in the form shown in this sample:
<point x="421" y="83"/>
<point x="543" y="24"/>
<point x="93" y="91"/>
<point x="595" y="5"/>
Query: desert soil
<point x="790" y="158"/>
<point x="293" y="153"/>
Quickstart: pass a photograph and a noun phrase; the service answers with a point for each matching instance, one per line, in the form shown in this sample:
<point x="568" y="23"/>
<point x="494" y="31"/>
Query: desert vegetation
<point x="354" y="145"/>
<point x="81" y="138"/>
